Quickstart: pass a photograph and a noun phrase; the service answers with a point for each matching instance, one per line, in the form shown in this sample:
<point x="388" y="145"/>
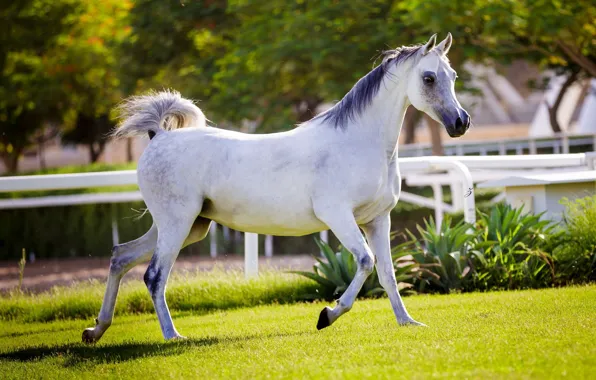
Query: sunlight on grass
<point x="519" y="334"/>
<point x="198" y="292"/>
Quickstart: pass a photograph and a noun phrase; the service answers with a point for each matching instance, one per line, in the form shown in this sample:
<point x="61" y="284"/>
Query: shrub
<point x="444" y="256"/>
<point x="336" y="271"/>
<point x="575" y="245"/>
<point x="511" y="250"/>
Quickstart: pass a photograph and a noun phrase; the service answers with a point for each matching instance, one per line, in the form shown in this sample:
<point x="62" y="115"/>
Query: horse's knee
<point x="366" y="263"/>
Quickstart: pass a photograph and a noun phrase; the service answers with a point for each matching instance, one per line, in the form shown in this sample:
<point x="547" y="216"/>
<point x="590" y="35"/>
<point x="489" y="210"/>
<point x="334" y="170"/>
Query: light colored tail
<point x="157" y="112"/>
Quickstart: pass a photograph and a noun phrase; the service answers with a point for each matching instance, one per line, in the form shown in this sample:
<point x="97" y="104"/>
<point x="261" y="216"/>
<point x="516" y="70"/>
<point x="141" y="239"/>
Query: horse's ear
<point x="429" y="45"/>
<point x="445" y="45"/>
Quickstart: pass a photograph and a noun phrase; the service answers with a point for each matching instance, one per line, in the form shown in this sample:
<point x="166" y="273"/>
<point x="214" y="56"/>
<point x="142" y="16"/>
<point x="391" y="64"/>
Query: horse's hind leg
<point x="171" y="238"/>
<point x="125" y="257"/>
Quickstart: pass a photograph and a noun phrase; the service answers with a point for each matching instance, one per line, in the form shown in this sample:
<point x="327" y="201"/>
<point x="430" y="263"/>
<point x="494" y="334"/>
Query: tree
<point x="90" y="51"/>
<point x="29" y="94"/>
<point x="289" y="57"/>
<point x="176" y="44"/>
<point x="273" y="62"/>
<point x="91" y="131"/>
<point x="557" y="35"/>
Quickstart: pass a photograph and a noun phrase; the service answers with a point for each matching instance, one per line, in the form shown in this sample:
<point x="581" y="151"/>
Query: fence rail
<point x="559" y="143"/>
<point x="422" y="170"/>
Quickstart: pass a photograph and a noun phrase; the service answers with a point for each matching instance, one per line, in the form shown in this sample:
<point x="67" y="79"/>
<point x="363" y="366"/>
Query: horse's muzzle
<point x="459" y="126"/>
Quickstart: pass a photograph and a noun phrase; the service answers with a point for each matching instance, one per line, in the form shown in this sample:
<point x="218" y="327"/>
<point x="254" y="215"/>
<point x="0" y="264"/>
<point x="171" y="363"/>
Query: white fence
<point x="559" y="143"/>
<point x="458" y="172"/>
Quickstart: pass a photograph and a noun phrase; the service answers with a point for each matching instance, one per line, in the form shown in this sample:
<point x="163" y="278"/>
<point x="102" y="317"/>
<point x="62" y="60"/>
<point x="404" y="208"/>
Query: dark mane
<point x="361" y="95"/>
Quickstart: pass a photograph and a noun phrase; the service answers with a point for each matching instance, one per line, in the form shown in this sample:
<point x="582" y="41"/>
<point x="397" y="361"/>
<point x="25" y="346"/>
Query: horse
<point x="338" y="171"/>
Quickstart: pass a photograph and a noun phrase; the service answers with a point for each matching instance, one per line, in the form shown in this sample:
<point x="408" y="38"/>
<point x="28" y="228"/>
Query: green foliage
<point x="68" y="231"/>
<point x="335" y="273"/>
<point x="507" y="249"/>
<point x="68" y="62"/>
<point x="89" y="68"/>
<point x="575" y="244"/>
<point x="444" y="255"/>
<point x="510" y="251"/>
<point x="553" y="33"/>
<point x="29" y="93"/>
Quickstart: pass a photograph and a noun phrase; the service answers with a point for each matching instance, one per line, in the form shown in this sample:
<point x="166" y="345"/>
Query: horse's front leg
<point x="377" y="234"/>
<point x="347" y="231"/>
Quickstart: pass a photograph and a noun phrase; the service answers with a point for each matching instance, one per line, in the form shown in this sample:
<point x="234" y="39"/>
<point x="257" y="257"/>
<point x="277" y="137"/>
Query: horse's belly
<point x="279" y="218"/>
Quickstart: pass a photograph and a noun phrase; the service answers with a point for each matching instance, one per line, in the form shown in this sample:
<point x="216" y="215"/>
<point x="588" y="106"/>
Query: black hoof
<point x="323" y="319"/>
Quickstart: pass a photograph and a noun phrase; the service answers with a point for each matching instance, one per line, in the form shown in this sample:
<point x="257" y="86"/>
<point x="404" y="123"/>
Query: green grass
<point x="521" y="334"/>
<point x="197" y="292"/>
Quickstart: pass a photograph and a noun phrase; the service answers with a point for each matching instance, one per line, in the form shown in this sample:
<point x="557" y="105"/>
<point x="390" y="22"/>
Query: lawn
<point x="522" y="334"/>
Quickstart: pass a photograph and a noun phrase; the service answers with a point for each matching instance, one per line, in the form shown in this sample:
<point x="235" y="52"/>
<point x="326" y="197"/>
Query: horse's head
<point x="431" y="87"/>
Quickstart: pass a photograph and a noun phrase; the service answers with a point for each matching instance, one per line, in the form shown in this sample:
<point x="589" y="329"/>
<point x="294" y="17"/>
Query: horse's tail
<point x="155" y="113"/>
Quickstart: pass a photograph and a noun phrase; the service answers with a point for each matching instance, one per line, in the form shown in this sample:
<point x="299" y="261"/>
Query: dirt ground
<point x="43" y="274"/>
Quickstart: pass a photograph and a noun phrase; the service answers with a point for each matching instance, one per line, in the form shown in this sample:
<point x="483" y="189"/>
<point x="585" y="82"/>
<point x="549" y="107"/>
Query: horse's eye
<point x="428" y="79"/>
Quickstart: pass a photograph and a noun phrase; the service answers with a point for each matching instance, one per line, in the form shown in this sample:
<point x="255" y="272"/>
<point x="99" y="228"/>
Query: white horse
<point x="338" y="171"/>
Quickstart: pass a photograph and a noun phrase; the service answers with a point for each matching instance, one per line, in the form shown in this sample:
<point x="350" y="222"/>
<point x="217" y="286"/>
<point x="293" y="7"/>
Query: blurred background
<point x="524" y="67"/>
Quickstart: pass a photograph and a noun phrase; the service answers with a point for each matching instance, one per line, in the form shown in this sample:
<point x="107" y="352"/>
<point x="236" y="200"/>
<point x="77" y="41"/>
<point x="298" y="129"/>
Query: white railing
<point x="559" y="143"/>
<point x="458" y="176"/>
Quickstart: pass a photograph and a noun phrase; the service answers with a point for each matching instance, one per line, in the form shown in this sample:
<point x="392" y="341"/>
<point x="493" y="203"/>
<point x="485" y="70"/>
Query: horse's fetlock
<point x="104" y="324"/>
<point x="344" y="307"/>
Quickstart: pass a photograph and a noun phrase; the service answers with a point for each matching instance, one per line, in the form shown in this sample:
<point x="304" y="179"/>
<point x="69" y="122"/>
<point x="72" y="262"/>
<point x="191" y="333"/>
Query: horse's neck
<point x="385" y="115"/>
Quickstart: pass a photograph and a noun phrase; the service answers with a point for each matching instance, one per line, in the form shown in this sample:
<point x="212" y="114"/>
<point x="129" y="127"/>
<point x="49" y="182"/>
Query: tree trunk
<point x="41" y="154"/>
<point x="94" y="152"/>
<point x="435" y="136"/>
<point x="411" y="120"/>
<point x="129" y="156"/>
<point x="11" y="161"/>
<point x="576" y="56"/>
<point x="552" y="111"/>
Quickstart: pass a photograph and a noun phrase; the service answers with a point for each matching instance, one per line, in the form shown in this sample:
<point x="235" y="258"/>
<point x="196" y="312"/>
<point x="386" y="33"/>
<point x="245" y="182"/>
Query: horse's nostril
<point x="459" y="123"/>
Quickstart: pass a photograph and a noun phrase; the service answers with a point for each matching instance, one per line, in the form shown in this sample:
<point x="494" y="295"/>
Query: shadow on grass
<point x="77" y="353"/>
<point x="51" y="329"/>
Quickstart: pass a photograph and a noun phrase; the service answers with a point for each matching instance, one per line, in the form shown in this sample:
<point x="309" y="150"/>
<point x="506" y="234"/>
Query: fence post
<point x="251" y="255"/>
<point x="502" y="150"/>
<point x="459" y="149"/>
<point x="532" y="146"/>
<point x="213" y="240"/>
<point x="438" y="194"/>
<point x="324" y="236"/>
<point x="115" y="237"/>
<point x="457" y="195"/>
<point x="268" y="245"/>
<point x="565" y="143"/>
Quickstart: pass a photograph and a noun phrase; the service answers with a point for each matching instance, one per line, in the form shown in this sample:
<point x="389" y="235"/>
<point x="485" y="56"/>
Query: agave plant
<point x="443" y="256"/>
<point x="335" y="271"/>
<point x="511" y="250"/>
